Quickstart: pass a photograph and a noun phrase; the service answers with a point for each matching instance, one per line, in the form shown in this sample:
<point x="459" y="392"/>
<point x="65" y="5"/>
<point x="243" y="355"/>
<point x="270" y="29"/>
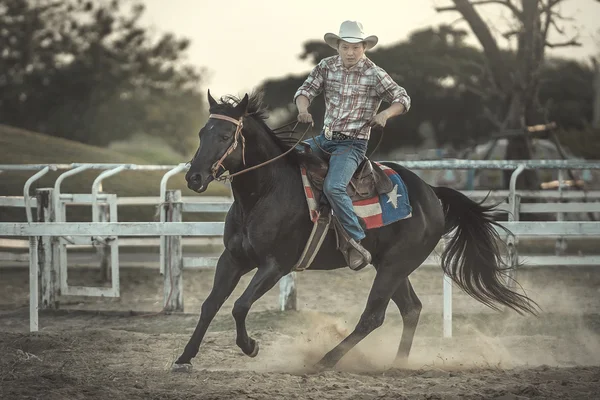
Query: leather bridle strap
<point x="238" y="133"/>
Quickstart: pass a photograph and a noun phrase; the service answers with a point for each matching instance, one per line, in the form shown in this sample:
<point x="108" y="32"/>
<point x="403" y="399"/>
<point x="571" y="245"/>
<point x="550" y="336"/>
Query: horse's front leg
<point x="227" y="275"/>
<point x="265" y="278"/>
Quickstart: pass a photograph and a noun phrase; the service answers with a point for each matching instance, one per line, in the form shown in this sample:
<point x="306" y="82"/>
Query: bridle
<point x="237" y="136"/>
<point x="239" y="123"/>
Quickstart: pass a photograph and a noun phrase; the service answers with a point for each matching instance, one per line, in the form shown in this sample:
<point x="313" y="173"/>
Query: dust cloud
<point x="561" y="337"/>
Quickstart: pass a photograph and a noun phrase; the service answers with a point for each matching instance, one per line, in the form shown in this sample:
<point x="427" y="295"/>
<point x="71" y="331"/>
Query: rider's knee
<point x="333" y="189"/>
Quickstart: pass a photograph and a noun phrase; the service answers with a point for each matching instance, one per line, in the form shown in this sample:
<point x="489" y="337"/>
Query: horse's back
<point x="419" y="192"/>
<point x="427" y="221"/>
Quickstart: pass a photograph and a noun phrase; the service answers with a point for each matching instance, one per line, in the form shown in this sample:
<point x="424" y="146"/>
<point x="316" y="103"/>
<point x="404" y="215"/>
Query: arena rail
<point x="170" y="233"/>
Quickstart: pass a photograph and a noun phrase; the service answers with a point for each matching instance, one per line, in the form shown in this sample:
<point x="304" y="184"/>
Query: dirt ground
<point x="82" y="354"/>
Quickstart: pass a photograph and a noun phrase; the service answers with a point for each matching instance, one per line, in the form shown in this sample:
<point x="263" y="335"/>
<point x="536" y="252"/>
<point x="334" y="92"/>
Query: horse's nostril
<point x="195" y="178"/>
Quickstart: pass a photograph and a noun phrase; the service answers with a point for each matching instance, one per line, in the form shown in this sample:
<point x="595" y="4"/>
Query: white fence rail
<point x="170" y="232"/>
<point x="543" y="229"/>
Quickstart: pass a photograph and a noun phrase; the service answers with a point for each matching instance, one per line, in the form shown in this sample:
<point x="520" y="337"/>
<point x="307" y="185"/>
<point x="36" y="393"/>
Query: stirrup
<point x="355" y="249"/>
<point x="317" y="236"/>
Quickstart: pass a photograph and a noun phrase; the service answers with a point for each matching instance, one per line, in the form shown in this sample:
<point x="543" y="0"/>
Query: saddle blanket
<point x="376" y="211"/>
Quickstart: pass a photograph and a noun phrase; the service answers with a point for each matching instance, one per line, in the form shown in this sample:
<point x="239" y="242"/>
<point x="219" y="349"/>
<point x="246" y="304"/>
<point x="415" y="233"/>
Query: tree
<point x="566" y="93"/>
<point x="583" y="141"/>
<point x="596" y="63"/>
<point x="89" y="71"/>
<point x="516" y="85"/>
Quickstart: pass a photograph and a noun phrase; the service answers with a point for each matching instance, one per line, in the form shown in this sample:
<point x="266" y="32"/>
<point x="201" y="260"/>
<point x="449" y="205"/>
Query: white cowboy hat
<point x="351" y="32"/>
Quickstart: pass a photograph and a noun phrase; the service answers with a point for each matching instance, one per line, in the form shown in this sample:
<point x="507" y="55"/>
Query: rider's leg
<point x="345" y="158"/>
<point x="316" y="145"/>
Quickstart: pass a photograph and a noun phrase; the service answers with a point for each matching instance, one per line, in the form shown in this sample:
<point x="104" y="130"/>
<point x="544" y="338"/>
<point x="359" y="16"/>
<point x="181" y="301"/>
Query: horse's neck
<point x="268" y="180"/>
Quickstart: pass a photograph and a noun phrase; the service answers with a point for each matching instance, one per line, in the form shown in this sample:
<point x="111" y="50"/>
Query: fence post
<point x="173" y="274"/>
<point x="512" y="243"/>
<point x="287" y="292"/>
<point x="102" y="248"/>
<point x="514" y="202"/>
<point x="560" y="246"/>
<point x="447" y="296"/>
<point x="47" y="250"/>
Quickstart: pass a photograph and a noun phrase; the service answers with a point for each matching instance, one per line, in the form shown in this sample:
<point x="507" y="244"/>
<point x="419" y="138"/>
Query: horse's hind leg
<point x="264" y="279"/>
<point x="410" y="308"/>
<point x="384" y="286"/>
<point x="227" y="275"/>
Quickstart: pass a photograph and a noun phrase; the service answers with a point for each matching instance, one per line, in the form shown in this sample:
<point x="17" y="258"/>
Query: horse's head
<point x="221" y="144"/>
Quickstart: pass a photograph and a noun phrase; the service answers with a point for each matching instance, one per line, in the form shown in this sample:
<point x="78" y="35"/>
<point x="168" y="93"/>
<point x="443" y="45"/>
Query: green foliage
<point x="88" y="71"/>
<point x="150" y="148"/>
<point x="567" y="92"/>
<point x="582" y="142"/>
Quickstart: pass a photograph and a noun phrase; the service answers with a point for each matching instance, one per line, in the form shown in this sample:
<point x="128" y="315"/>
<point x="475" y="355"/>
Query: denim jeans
<point x="345" y="157"/>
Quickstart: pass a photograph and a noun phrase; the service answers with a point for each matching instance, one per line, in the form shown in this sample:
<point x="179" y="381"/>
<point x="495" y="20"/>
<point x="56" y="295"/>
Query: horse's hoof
<point x="320" y="367"/>
<point x="324" y="364"/>
<point x="254" y="352"/>
<point x="187" y="368"/>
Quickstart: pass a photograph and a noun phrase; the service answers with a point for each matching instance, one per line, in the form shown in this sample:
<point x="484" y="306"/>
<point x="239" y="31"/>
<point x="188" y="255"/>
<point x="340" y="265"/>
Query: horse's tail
<point x="472" y="258"/>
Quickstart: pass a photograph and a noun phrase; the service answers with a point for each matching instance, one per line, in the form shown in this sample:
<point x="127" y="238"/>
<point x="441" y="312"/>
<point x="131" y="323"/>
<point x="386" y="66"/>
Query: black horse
<point x="268" y="226"/>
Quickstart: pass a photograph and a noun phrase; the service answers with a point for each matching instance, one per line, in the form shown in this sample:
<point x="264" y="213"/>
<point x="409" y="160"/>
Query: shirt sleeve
<point x="313" y="85"/>
<point x="390" y="91"/>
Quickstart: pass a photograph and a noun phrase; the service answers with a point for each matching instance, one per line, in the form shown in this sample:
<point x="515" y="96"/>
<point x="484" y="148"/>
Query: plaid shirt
<point x="352" y="95"/>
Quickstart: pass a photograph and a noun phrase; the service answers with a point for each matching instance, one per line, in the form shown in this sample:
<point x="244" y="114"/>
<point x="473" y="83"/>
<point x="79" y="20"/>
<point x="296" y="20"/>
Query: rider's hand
<point x="378" y="120"/>
<point x="305" y="118"/>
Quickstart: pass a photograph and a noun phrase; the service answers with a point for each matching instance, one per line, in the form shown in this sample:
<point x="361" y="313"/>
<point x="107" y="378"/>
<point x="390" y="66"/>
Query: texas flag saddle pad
<point x="376" y="211"/>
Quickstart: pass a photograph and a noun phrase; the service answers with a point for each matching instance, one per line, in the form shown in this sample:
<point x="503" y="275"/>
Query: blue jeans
<point x="345" y="157"/>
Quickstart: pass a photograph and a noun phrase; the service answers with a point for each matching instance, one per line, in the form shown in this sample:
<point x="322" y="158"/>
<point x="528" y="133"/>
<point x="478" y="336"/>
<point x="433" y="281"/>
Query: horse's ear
<point x="242" y="106"/>
<point x="211" y="102"/>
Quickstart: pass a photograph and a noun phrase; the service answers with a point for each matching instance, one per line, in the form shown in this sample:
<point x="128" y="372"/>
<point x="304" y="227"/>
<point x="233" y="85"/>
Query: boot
<point x="357" y="256"/>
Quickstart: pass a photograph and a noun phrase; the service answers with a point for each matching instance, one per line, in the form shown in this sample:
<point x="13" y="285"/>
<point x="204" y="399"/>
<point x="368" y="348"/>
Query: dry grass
<point x="18" y="146"/>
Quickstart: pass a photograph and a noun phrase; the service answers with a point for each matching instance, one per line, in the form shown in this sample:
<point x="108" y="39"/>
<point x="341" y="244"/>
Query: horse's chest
<point x="265" y="235"/>
<point x="272" y="225"/>
<point x="238" y="243"/>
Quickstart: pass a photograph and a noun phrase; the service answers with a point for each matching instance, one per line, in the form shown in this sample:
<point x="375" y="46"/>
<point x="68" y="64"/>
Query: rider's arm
<point x="302" y="102"/>
<point x="395" y="109"/>
<point x="311" y="88"/>
<point x="393" y="93"/>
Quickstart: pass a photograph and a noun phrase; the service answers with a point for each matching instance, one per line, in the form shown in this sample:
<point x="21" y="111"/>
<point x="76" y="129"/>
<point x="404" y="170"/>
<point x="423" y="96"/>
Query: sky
<point x="243" y="42"/>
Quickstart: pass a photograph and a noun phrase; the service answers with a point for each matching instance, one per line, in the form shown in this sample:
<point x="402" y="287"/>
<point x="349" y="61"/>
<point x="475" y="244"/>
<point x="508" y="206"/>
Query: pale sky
<point x="243" y="42"/>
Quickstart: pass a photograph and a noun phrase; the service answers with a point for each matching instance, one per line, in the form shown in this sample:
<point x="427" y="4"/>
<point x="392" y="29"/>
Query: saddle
<point x="368" y="180"/>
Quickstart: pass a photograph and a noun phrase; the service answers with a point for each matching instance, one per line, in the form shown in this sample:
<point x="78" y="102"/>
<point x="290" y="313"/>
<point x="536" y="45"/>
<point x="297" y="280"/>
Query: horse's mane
<point x="259" y="113"/>
<point x="256" y="107"/>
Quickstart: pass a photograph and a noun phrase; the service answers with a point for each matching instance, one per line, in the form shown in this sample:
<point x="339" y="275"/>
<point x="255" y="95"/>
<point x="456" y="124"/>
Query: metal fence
<point x="49" y="238"/>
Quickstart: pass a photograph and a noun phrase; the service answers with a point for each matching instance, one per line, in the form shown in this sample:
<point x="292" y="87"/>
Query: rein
<point x="238" y="134"/>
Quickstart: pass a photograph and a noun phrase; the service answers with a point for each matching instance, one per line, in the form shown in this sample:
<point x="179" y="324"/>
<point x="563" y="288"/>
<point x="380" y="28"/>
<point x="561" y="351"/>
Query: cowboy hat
<point x="351" y="32"/>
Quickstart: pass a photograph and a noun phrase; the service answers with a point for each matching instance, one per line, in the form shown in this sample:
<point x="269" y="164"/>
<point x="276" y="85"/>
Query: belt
<point x="336" y="135"/>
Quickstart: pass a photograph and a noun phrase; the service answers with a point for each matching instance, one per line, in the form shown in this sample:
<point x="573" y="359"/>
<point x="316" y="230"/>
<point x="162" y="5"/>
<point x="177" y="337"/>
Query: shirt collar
<point x="359" y="66"/>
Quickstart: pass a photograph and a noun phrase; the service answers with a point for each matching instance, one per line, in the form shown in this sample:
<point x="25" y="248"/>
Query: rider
<point x="354" y="89"/>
